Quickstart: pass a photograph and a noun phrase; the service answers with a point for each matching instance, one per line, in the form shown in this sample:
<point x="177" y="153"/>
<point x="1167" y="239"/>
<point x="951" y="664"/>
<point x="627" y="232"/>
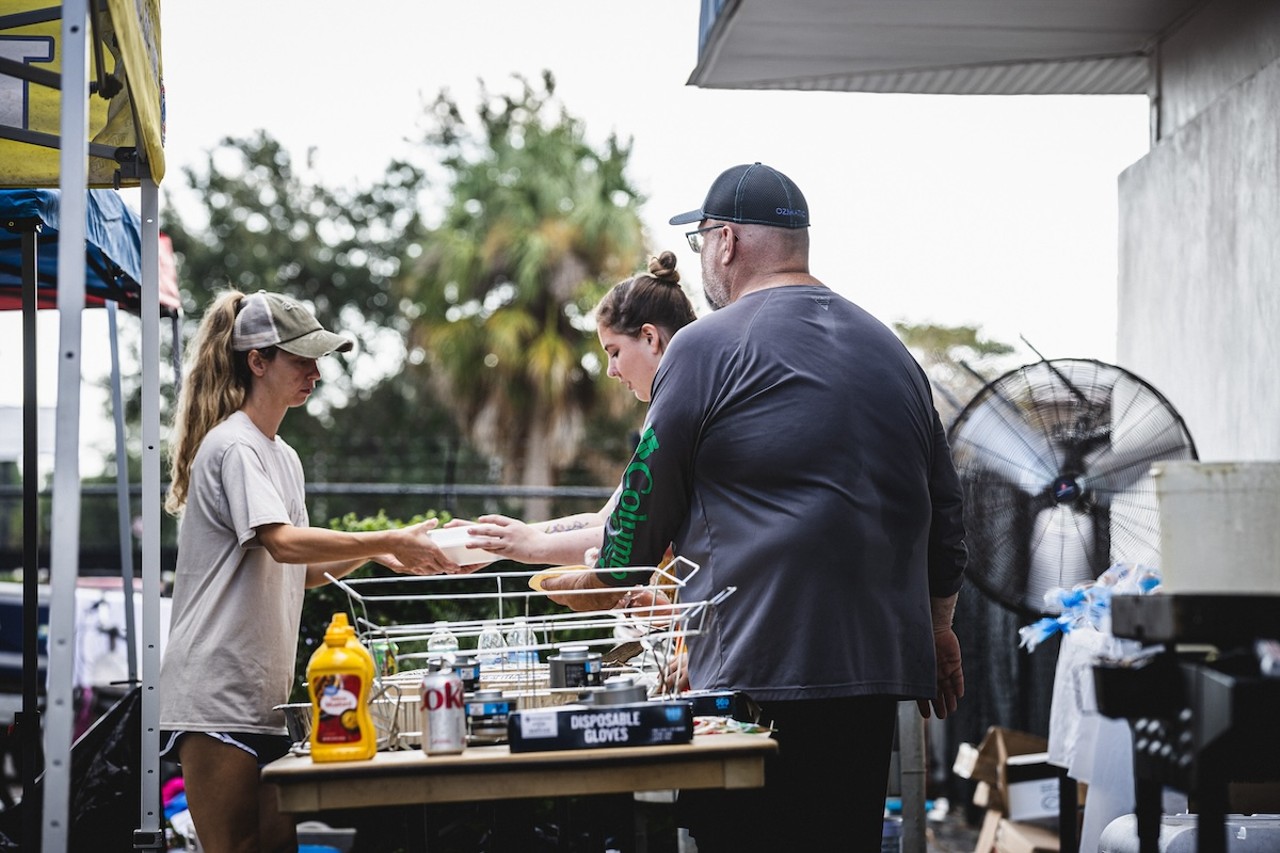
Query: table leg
<point x="1068" y="814"/>
<point x="1149" y="807"/>
<point x="1211" y="818"/>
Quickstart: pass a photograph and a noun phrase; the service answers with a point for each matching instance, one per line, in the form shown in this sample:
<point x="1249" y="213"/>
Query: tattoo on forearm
<point x="562" y="526"/>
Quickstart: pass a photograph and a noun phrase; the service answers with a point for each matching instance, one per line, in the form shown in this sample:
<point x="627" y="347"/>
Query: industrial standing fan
<point x="1054" y="459"/>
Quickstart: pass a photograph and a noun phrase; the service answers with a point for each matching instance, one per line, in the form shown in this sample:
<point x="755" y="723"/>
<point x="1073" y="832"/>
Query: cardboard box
<point x="966" y="762"/>
<point x="1015" y="837"/>
<point x="984" y="762"/>
<point x="987" y="835"/>
<point x="1032" y="787"/>
<point x="987" y="797"/>
<point x="1013" y="774"/>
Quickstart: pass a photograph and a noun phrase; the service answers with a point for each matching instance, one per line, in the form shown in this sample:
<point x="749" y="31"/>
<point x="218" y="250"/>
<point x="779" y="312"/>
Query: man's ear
<point x="729" y="247"/>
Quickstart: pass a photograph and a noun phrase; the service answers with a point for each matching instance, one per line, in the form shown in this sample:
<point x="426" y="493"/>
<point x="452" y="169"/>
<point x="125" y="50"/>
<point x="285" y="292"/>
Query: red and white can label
<point x="444" y="717"/>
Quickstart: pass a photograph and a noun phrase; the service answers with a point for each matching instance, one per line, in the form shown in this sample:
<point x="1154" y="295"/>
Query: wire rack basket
<point x="640" y="639"/>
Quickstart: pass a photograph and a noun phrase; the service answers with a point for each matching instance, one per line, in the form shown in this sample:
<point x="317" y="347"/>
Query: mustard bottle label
<point x="338" y="700"/>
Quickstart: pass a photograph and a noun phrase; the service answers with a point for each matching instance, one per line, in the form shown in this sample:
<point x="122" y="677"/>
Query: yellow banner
<point x="137" y="25"/>
<point x="126" y="106"/>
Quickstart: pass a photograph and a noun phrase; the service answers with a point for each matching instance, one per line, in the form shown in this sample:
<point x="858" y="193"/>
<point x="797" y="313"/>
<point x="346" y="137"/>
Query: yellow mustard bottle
<point x="339" y="678"/>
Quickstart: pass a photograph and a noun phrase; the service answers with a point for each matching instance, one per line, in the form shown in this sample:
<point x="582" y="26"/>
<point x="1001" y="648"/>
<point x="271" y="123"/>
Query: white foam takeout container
<point x="453" y="541"/>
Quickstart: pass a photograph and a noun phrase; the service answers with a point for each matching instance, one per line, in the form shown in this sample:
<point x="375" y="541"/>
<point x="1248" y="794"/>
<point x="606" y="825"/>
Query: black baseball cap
<point x="754" y="194"/>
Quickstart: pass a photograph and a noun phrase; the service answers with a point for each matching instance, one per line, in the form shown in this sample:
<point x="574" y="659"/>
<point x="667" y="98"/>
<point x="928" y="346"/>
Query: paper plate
<point x="535" y="582"/>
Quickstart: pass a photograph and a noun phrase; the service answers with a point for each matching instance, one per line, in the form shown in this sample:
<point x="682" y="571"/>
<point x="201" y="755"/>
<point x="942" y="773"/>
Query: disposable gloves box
<point x="600" y="726"/>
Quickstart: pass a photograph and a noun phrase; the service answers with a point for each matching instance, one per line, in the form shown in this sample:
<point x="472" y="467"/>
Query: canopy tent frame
<point x="112" y="256"/>
<point x="135" y="26"/>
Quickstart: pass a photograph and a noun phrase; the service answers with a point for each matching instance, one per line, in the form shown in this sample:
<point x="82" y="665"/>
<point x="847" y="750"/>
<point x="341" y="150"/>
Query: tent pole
<point x="150" y="316"/>
<point x="911" y="744"/>
<point x="65" y="544"/>
<point x="123" y="508"/>
<point x="28" y="721"/>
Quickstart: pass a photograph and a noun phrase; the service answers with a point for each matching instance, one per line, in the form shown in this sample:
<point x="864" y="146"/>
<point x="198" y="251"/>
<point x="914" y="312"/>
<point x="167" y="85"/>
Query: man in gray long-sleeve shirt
<point x="793" y="451"/>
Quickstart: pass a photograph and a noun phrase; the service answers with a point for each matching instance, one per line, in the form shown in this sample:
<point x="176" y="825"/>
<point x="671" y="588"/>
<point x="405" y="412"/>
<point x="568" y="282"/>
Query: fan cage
<point x="1054" y="461"/>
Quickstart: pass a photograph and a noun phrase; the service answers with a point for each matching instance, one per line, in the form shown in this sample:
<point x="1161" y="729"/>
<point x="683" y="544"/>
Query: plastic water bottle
<point x="490" y="646"/>
<point x="521" y="635"/>
<point x="441" y="643"/>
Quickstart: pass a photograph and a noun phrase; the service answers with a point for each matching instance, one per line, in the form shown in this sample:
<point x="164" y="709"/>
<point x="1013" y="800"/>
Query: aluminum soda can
<point x="444" y="715"/>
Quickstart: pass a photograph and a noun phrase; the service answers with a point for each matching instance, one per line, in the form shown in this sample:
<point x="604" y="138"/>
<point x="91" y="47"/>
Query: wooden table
<point x="587" y="786"/>
<point x="410" y="777"/>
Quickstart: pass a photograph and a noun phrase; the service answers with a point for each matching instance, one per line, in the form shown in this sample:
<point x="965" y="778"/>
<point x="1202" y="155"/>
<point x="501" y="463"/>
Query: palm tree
<point x="537" y="225"/>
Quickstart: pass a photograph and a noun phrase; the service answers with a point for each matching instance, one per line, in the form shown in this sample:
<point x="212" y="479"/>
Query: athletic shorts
<point x="265" y="748"/>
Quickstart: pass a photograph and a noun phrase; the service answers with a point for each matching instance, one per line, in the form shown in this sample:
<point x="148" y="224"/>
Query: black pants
<point x="824" y="790"/>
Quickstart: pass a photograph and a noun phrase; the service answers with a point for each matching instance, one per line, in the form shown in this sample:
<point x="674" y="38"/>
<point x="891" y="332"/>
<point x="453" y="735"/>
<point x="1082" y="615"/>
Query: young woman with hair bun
<point x="635" y="321"/>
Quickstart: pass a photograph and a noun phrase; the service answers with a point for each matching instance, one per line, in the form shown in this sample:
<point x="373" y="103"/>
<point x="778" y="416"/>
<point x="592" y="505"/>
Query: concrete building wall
<point x="1199" y="266"/>
<point x="1224" y="44"/>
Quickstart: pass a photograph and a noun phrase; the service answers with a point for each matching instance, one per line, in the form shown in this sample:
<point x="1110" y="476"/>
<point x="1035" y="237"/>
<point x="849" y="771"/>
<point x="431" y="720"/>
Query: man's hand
<point x="950" y="675"/>
<point x="675" y="678"/>
<point x="583" y="590"/>
<point x="647" y="603"/>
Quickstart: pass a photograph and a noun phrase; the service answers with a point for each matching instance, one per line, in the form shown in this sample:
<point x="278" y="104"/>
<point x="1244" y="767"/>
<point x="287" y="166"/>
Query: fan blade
<point x="1101" y="557"/>
<point x="1054" y="459"/>
<point x="1112" y="470"/>
<point x="998" y="535"/>
<point x="1062" y="554"/>
<point x="1009" y="448"/>
<point x="1041" y="500"/>
<point x="1135" y="527"/>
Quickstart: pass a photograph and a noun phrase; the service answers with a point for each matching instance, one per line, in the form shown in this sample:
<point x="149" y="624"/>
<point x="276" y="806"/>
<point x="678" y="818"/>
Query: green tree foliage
<point x="957" y="359"/>
<point x="476" y="360"/>
<point x="262" y="225"/>
<point x="539" y="223"/>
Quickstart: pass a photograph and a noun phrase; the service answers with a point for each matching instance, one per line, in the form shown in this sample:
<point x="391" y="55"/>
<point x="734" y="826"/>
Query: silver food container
<point x="395" y="718"/>
<point x="575" y="666"/>
<point x="620" y="690"/>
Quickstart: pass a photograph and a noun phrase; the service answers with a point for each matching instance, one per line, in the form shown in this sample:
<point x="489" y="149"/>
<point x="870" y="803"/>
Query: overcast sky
<point x="998" y="212"/>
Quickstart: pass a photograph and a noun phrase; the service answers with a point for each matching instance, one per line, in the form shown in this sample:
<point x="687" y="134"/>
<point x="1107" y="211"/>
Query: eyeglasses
<point x="696" y="239"/>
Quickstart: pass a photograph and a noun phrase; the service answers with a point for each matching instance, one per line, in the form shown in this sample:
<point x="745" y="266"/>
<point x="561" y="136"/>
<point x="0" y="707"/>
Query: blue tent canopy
<point x="113" y="254"/>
